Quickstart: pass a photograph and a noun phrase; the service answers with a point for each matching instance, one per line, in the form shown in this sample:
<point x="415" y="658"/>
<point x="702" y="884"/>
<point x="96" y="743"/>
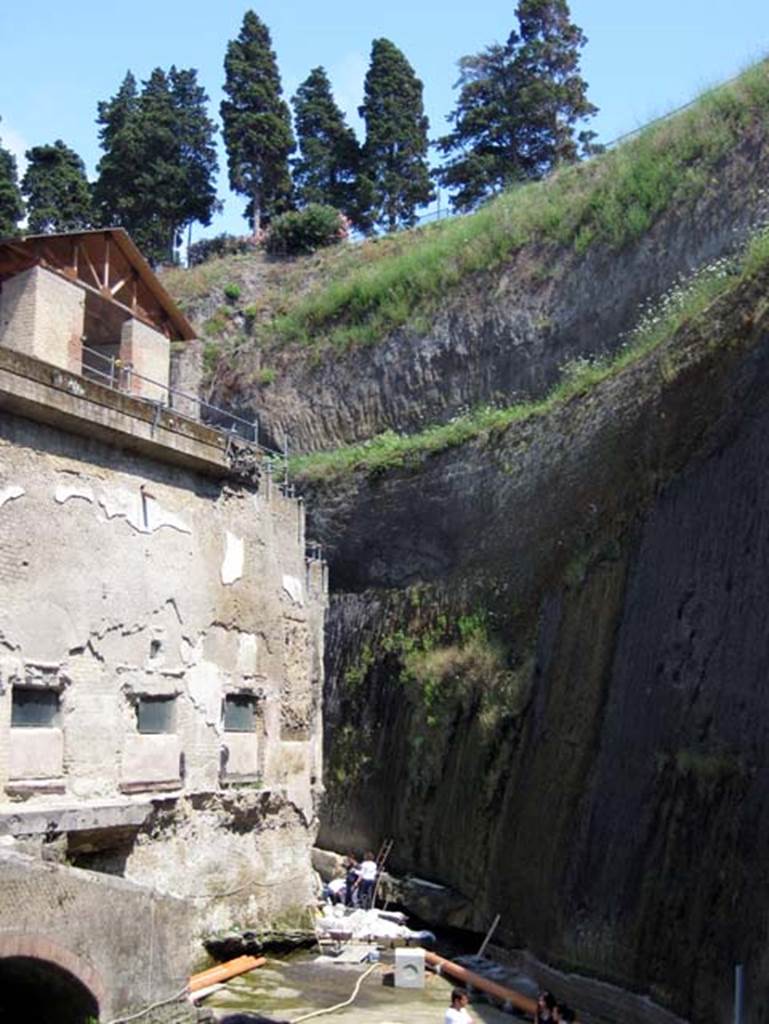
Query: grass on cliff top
<point x="613" y="198"/>
<point x="656" y="325"/>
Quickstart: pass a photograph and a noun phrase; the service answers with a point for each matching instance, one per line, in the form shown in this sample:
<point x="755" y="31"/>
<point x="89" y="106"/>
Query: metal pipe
<point x="739" y="992"/>
<point x="229" y="969"/>
<point x="492" y="988"/>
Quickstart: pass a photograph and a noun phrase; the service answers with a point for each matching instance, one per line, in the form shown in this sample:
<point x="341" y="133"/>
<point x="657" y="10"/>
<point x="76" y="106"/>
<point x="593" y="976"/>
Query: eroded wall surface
<point x="126" y="584"/>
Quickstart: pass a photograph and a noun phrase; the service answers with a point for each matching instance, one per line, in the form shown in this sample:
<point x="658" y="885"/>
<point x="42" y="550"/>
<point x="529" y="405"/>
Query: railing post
<point x="256" y="431"/>
<point x="739" y="992"/>
<point x="285" y="457"/>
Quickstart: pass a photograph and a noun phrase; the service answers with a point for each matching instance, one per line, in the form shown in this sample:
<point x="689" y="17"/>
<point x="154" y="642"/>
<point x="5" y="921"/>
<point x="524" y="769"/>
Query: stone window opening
<point x="34" y="708"/>
<point x="155" y="715"/>
<point x="239" y="712"/>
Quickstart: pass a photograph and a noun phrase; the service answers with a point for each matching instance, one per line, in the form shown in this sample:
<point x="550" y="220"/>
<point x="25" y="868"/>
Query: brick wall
<point x="149" y="353"/>
<point x="129" y="946"/>
<point x="42" y="315"/>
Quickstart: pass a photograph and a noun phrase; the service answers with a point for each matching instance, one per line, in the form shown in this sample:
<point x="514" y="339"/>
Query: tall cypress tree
<point x="395" y="152"/>
<point x="326" y="171"/>
<point x="11" y="205"/>
<point x="518" y="106"/>
<point x="156" y="175"/>
<point x="256" y="123"/>
<point x="56" y="189"/>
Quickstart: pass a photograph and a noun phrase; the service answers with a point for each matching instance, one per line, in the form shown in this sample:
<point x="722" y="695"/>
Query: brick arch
<point x="36" y="946"/>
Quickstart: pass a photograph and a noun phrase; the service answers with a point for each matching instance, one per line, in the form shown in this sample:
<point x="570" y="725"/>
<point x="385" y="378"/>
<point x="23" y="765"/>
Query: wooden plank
<point x="105" y="280"/>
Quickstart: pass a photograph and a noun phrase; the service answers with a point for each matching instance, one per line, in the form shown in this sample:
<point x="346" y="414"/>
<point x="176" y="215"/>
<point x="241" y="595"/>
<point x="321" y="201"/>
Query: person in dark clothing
<point x="545" y="1007"/>
<point x="351" y="880"/>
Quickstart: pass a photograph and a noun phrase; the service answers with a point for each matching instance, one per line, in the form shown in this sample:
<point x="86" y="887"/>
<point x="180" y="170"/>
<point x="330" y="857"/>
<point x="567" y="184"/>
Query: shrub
<point x="304" y="231"/>
<point x="232" y="292"/>
<point x="219" y="245"/>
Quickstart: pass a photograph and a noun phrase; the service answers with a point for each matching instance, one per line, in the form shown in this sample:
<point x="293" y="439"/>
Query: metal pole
<point x="285" y="456"/>
<point x="489" y="933"/>
<point x="739" y="992"/>
<point x="256" y="430"/>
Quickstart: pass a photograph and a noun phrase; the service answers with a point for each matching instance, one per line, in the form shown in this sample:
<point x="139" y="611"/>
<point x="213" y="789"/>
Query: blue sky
<point x="58" y="60"/>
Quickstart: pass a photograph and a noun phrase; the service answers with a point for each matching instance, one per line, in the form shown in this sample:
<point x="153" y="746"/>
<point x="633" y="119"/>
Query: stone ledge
<point x="72" y="817"/>
<point x="47" y="394"/>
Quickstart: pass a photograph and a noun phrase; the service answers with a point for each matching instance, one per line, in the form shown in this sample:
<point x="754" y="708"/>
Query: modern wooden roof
<point x="104" y="262"/>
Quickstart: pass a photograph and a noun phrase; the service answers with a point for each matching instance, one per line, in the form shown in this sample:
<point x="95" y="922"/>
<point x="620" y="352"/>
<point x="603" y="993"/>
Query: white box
<point x="409" y="967"/>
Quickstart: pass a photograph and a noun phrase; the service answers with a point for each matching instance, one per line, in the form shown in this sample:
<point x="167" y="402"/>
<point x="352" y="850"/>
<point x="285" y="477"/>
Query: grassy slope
<point x="359" y="293"/>
<point x="613" y="198"/>
<point x="390" y="450"/>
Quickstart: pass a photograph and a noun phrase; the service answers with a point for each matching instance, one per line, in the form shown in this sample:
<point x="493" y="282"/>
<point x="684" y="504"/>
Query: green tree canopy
<point x="11" y="204"/>
<point x="395" y="168"/>
<point x="156" y="175"/>
<point x="256" y="123"/>
<point x="326" y="171"/>
<point x="56" y="189"/>
<point x="518" y="106"/>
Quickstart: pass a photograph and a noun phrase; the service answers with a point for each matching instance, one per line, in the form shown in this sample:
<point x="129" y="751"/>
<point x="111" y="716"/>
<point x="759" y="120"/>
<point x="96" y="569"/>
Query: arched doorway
<point x="39" y="990"/>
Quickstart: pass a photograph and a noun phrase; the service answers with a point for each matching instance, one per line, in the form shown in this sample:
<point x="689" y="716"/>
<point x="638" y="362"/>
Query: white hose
<point x="339" y="1006"/>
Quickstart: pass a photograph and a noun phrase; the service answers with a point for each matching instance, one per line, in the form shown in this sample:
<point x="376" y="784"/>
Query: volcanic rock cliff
<point x="547" y="643"/>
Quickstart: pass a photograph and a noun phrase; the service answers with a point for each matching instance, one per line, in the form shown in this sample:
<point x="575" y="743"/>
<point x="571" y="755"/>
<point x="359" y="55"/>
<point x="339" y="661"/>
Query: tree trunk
<point x="257" y="215"/>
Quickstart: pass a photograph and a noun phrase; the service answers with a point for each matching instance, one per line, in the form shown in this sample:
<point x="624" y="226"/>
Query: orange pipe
<point x="507" y="995"/>
<point x="224" y="971"/>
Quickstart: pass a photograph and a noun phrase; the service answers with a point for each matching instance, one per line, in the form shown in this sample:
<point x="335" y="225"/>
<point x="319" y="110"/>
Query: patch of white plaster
<point x="64" y="492"/>
<point x="247" y="647"/>
<point x="10" y="493"/>
<point x="205" y="689"/>
<point x="157" y="517"/>
<point x="293" y="587"/>
<point x="142" y="512"/>
<point x="232" y="566"/>
<point x="120" y="503"/>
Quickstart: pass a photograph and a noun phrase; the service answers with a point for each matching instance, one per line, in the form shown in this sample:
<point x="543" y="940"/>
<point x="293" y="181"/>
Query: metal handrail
<point x="120" y="374"/>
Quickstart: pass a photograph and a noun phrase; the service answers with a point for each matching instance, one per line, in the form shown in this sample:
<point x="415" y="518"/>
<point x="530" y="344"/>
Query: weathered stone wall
<point x="42" y="315"/>
<point x="124" y="943"/>
<point x="123" y="579"/>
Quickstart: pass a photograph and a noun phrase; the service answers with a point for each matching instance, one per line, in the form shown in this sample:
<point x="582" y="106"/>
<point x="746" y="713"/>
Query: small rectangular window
<point x="32" y="708"/>
<point x="155" y="714"/>
<point x="239" y="712"/>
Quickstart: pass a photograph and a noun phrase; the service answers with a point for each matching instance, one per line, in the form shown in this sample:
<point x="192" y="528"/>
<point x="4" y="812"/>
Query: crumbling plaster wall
<point x="120" y="577"/>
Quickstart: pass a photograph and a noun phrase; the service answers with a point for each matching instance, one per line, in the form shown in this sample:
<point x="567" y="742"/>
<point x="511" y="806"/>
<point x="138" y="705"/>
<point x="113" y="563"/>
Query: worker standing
<point x="367" y="880"/>
<point x="457" y="1012"/>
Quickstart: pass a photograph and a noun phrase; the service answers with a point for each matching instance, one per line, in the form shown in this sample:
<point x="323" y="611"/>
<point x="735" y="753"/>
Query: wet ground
<point x="287" y="989"/>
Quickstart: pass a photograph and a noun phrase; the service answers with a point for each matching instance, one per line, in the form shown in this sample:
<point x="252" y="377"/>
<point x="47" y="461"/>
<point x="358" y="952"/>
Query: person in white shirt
<point x="456" y="1013"/>
<point x="367" y="880"/>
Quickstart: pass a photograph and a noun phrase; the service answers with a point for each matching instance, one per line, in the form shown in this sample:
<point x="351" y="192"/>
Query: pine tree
<point x="156" y="175"/>
<point x="256" y="123"/>
<point x="395" y="168"/>
<point x="518" y="106"/>
<point x="56" y="189"/>
<point x="553" y="94"/>
<point x="11" y="205"/>
<point x="326" y="171"/>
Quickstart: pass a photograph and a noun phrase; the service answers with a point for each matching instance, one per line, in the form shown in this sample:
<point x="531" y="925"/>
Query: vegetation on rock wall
<point x="657" y="324"/>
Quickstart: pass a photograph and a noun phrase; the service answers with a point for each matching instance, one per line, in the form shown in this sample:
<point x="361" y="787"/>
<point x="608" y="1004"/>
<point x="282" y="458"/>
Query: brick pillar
<point x="149" y="353"/>
<point x="43" y="315"/>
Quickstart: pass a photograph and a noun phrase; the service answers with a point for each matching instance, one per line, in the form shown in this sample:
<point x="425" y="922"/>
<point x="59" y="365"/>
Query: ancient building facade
<point x="161" y="634"/>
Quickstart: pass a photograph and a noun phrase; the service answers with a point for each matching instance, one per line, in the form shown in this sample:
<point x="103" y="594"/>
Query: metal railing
<point x="119" y="375"/>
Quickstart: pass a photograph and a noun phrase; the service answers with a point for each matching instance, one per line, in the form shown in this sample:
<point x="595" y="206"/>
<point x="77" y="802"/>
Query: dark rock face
<point x="506" y="334"/>
<point x="612" y="803"/>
